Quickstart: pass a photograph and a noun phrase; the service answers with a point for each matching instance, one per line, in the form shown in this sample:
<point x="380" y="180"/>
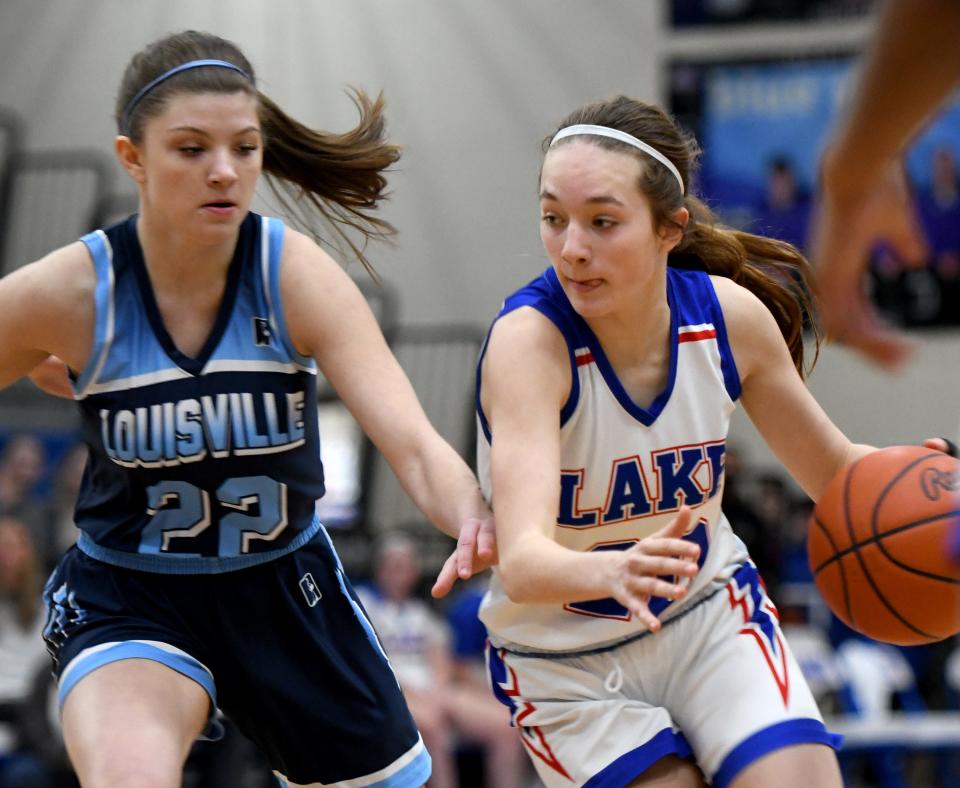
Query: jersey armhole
<point x="731" y="375"/>
<point x="556" y="317"/>
<point x="101" y="256"/>
<point x="271" y="259"/>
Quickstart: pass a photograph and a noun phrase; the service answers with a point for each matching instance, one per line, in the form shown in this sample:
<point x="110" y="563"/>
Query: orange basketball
<point x="878" y="545"/>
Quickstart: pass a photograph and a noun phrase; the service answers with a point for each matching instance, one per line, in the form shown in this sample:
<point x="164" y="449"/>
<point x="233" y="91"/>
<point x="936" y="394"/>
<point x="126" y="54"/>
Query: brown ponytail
<point x="775" y="271"/>
<point x="338" y="176"/>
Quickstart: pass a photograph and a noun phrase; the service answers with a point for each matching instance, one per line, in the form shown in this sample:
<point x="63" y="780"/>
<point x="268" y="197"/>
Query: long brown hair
<point x="340" y="176"/>
<point x="775" y="271"/>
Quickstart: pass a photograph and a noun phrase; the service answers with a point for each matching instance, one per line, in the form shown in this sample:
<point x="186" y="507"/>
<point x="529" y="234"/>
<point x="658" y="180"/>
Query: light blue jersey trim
<point x="271" y="235"/>
<point x="410" y="769"/>
<point x="357" y="609"/>
<point x="98" y="245"/>
<point x="413" y="768"/>
<point x="416" y="772"/>
<point x="88" y="661"/>
<point x="193" y="565"/>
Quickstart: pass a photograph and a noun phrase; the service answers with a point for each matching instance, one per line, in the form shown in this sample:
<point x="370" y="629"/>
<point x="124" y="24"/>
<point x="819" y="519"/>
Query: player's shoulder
<point x="741" y="308"/>
<point x="751" y="327"/>
<point x="528" y="330"/>
<point x="527" y="352"/>
<point x="303" y="255"/>
<point x="64" y="272"/>
<point x="729" y="293"/>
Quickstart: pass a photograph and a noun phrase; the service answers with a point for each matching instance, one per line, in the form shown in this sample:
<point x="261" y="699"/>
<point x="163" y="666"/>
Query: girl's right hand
<point x="638" y="573"/>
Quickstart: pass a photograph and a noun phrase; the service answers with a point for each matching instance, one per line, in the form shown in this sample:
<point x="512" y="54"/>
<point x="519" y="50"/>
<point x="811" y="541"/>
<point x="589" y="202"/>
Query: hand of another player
<point x="640" y="569"/>
<point x="848" y="221"/>
<point x="476" y="551"/>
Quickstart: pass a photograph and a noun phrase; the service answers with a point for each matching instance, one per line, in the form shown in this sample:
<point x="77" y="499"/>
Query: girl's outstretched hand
<point x="476" y="551"/>
<point x="640" y="571"/>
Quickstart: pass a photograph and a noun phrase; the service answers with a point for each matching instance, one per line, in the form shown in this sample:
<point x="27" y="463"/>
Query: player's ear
<point x="130" y="157"/>
<point x="671" y="231"/>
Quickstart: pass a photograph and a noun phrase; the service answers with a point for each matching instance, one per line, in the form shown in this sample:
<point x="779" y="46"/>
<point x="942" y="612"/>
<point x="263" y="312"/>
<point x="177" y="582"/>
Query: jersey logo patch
<point x="261" y="332"/>
<point x="310" y="591"/>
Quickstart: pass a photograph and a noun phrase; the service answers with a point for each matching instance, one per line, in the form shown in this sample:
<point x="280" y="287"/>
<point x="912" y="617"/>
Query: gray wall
<point x="472" y="86"/>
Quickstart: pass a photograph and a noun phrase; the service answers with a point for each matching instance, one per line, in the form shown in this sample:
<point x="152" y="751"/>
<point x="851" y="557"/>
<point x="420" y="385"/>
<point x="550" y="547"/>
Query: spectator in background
<point x="480" y="717"/>
<point x="940" y="203"/>
<point x="940" y="213"/>
<point x="784" y="213"/>
<point x="22" y="651"/>
<point x="60" y="529"/>
<point x="445" y="704"/>
<point x="416" y="643"/>
<point x="22" y="464"/>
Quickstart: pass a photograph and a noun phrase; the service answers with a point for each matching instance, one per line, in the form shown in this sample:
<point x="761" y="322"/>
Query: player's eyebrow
<point x="205" y="133"/>
<point x="602" y="199"/>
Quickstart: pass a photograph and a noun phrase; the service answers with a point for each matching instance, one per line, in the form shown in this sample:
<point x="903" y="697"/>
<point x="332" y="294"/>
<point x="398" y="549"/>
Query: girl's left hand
<point x="476" y="551"/>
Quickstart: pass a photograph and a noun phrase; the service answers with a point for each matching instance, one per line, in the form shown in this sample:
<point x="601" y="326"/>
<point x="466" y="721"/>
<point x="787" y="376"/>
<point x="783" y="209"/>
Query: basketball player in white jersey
<point x="631" y="635"/>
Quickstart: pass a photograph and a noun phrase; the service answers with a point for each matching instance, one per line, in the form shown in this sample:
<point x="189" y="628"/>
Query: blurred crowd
<point x="929" y="295"/>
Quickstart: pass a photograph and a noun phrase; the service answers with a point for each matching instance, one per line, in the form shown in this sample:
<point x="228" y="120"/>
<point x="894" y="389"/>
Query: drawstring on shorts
<point x="614" y="679"/>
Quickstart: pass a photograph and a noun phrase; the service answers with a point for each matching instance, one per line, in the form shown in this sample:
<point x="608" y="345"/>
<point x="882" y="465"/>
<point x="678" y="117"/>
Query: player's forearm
<point x="910" y="67"/>
<point x="534" y="569"/>
<point x="442" y="486"/>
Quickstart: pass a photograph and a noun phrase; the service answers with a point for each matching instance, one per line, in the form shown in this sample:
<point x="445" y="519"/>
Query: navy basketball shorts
<point x="284" y="649"/>
<point x="717" y="684"/>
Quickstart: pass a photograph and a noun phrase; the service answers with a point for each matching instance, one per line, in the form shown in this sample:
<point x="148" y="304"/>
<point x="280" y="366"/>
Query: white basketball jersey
<point x="626" y="470"/>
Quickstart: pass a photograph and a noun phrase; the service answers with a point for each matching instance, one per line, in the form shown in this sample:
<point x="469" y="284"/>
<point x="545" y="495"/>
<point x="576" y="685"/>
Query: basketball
<point x="878" y="545"/>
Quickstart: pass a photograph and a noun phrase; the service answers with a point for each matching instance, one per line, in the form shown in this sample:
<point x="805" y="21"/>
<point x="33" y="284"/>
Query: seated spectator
<point x="939" y="208"/>
<point x="60" y="529"/>
<point x="446" y="709"/>
<point x="480" y="717"/>
<point x="784" y="213"/>
<point x="22" y="652"/>
<point x="22" y="463"/>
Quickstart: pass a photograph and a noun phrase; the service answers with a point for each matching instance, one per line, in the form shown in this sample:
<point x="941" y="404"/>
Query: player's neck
<point x="176" y="259"/>
<point x="639" y="350"/>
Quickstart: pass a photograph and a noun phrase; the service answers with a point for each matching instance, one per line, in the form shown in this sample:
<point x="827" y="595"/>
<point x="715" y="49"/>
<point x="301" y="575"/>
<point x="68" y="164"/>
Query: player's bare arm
<point x="321" y="301"/>
<point x="37" y="302"/>
<point x="526" y="380"/>
<point x="776" y="399"/>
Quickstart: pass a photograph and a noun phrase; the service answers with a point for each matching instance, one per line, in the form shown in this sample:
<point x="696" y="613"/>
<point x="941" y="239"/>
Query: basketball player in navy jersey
<point x="631" y="635"/>
<point x="194" y="332"/>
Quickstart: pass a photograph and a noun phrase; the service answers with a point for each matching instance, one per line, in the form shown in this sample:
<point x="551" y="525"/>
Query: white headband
<point x="622" y="136"/>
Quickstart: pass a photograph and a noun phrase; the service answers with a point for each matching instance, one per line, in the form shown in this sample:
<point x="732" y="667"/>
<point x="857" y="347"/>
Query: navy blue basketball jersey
<point x="203" y="464"/>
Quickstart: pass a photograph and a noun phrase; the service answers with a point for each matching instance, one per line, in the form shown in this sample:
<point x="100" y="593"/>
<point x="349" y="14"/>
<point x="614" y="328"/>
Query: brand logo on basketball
<point x="933" y="481"/>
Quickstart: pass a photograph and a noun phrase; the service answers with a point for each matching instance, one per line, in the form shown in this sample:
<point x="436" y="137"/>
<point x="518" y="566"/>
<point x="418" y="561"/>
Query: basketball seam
<point x="873" y="527"/>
